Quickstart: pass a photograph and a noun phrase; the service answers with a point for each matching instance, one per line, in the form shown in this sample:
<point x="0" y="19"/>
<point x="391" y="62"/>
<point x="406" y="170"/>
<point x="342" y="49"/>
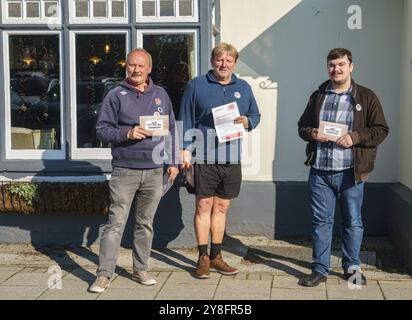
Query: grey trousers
<point x="144" y="186"/>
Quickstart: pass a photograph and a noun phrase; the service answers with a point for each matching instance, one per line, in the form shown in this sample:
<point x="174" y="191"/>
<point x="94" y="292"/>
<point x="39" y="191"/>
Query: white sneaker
<point x="100" y="284"/>
<point x="144" y="278"/>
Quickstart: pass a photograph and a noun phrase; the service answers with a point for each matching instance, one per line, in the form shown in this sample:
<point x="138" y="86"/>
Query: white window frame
<point x="90" y="20"/>
<point x="158" y="18"/>
<point x="86" y="153"/>
<point x="32" y="153"/>
<point x="34" y="20"/>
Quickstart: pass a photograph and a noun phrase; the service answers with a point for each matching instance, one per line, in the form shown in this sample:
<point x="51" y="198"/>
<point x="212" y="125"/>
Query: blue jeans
<point x="325" y="187"/>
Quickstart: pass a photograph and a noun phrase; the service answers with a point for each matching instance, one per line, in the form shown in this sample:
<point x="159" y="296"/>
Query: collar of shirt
<point x="329" y="90"/>
<point x="134" y="84"/>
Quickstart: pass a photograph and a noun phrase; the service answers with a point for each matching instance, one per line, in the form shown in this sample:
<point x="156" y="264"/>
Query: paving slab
<point x="7" y="272"/>
<point x="258" y="287"/>
<point x="20" y="292"/>
<point x="240" y="296"/>
<point x="396" y="290"/>
<point x="70" y="290"/>
<point x="293" y="283"/>
<point x="342" y="291"/>
<point x="28" y="279"/>
<point x="127" y="294"/>
<point x="188" y="278"/>
<point x="297" y="294"/>
<point x="186" y="292"/>
<point x="126" y="282"/>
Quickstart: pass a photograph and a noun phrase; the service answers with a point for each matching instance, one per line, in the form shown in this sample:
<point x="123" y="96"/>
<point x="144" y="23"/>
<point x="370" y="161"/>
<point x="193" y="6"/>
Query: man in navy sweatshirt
<point x="217" y="167"/>
<point x="137" y="172"/>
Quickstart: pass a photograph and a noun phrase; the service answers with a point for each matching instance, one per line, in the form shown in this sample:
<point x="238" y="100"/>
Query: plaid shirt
<point x="337" y="107"/>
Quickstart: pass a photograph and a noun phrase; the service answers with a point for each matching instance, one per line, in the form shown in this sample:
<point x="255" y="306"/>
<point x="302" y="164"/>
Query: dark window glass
<point x="35" y="91"/>
<point x="173" y="63"/>
<point x="100" y="65"/>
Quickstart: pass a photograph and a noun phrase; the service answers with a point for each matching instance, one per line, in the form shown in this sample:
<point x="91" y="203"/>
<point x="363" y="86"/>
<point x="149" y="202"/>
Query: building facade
<point x="59" y="59"/>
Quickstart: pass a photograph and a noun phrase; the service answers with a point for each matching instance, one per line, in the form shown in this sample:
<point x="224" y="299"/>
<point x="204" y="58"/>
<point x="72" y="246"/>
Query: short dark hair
<point x="337" y="53"/>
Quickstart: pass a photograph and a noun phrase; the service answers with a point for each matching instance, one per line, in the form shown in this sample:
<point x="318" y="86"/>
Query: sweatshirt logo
<point x="123" y="93"/>
<point x="158" y="101"/>
<point x="358" y="107"/>
<point x="237" y="95"/>
<point x="160" y="109"/>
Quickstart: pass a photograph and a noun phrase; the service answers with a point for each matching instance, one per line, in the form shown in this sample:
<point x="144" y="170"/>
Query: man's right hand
<point x="137" y="133"/>
<point x="315" y="137"/>
<point x="186" y="157"/>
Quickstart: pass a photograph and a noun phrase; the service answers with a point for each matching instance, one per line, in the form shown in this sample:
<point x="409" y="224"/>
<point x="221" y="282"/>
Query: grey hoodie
<point x="120" y="112"/>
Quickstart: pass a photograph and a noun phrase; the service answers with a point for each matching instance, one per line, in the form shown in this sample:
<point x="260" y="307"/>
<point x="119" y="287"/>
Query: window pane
<point x="35" y="91"/>
<point x="14" y="10"/>
<point x="185" y="7"/>
<point x="50" y="9"/>
<point x="149" y="8"/>
<point x="167" y="8"/>
<point x="82" y="9"/>
<point x="118" y="9"/>
<point x="99" y="9"/>
<point x="99" y="67"/>
<point x="33" y="9"/>
<point x="173" y="62"/>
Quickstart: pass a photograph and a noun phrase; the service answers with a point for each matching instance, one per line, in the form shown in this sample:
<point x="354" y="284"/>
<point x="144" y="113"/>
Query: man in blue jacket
<point x="217" y="167"/>
<point x="137" y="172"/>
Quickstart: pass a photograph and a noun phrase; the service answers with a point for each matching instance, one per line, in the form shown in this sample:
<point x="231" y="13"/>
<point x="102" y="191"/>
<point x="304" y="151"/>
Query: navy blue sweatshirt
<point x="201" y="95"/>
<point x="120" y="112"/>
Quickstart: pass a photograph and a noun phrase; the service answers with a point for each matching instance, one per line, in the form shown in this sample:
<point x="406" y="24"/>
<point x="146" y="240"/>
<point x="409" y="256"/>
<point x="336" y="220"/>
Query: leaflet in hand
<point x="155" y="125"/>
<point x="224" y="117"/>
<point x="331" y="130"/>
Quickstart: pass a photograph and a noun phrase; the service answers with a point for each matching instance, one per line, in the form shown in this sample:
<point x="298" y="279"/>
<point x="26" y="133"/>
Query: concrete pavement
<point x="269" y="270"/>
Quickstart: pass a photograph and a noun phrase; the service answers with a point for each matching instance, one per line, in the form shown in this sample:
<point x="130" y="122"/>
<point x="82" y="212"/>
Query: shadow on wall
<point x="292" y="52"/>
<point x="57" y="234"/>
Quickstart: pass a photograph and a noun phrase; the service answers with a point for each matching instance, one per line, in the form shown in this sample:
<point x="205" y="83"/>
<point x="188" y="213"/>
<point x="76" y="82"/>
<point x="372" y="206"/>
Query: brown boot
<point x="222" y="267"/>
<point x="203" y="265"/>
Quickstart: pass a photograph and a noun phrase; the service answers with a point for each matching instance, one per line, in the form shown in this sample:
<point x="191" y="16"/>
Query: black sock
<point x="215" y="250"/>
<point x="202" y="250"/>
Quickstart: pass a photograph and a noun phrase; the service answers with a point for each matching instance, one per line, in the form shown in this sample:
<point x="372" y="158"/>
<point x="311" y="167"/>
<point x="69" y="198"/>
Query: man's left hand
<point x="172" y="172"/>
<point x="243" y="120"/>
<point x="345" y="141"/>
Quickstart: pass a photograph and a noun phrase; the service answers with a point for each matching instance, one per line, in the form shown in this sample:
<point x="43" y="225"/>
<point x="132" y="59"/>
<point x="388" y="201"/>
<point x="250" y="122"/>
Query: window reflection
<point x="35" y="91"/>
<point x="100" y="61"/>
<point x="173" y="63"/>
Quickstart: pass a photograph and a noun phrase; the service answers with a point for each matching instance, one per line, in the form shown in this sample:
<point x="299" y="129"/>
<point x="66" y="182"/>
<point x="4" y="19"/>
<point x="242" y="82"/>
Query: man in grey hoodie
<point x="137" y="172"/>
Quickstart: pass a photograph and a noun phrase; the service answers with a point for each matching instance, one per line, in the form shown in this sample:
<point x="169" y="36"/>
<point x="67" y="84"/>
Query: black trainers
<point x="313" y="280"/>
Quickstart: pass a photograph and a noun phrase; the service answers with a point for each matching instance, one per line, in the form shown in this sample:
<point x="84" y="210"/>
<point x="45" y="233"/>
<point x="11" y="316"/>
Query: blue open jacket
<point x="120" y="112"/>
<point x="201" y="95"/>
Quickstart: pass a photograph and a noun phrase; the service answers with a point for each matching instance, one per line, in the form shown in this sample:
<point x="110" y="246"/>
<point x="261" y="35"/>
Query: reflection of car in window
<point x="44" y="112"/>
<point x="19" y="110"/>
<point x="90" y="96"/>
<point x="31" y="89"/>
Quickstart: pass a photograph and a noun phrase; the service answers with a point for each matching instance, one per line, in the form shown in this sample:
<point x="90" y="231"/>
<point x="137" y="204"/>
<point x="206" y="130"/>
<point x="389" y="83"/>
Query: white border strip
<point x="100" y="178"/>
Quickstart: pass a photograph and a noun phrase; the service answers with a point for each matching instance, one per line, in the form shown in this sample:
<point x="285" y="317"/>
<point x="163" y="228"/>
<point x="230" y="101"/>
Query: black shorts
<point x="222" y="180"/>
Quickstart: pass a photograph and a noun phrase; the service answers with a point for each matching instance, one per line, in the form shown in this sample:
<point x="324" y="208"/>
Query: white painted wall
<point x="405" y="142"/>
<point x="287" y="42"/>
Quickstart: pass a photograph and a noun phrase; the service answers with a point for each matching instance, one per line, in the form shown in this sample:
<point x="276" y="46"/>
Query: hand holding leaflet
<point x="224" y="117"/>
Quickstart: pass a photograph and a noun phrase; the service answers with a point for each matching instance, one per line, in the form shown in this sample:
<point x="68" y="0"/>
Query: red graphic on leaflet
<point x="234" y="135"/>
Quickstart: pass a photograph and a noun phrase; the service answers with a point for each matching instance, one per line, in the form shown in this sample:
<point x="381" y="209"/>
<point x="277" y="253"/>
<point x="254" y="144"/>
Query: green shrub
<point x="27" y="191"/>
